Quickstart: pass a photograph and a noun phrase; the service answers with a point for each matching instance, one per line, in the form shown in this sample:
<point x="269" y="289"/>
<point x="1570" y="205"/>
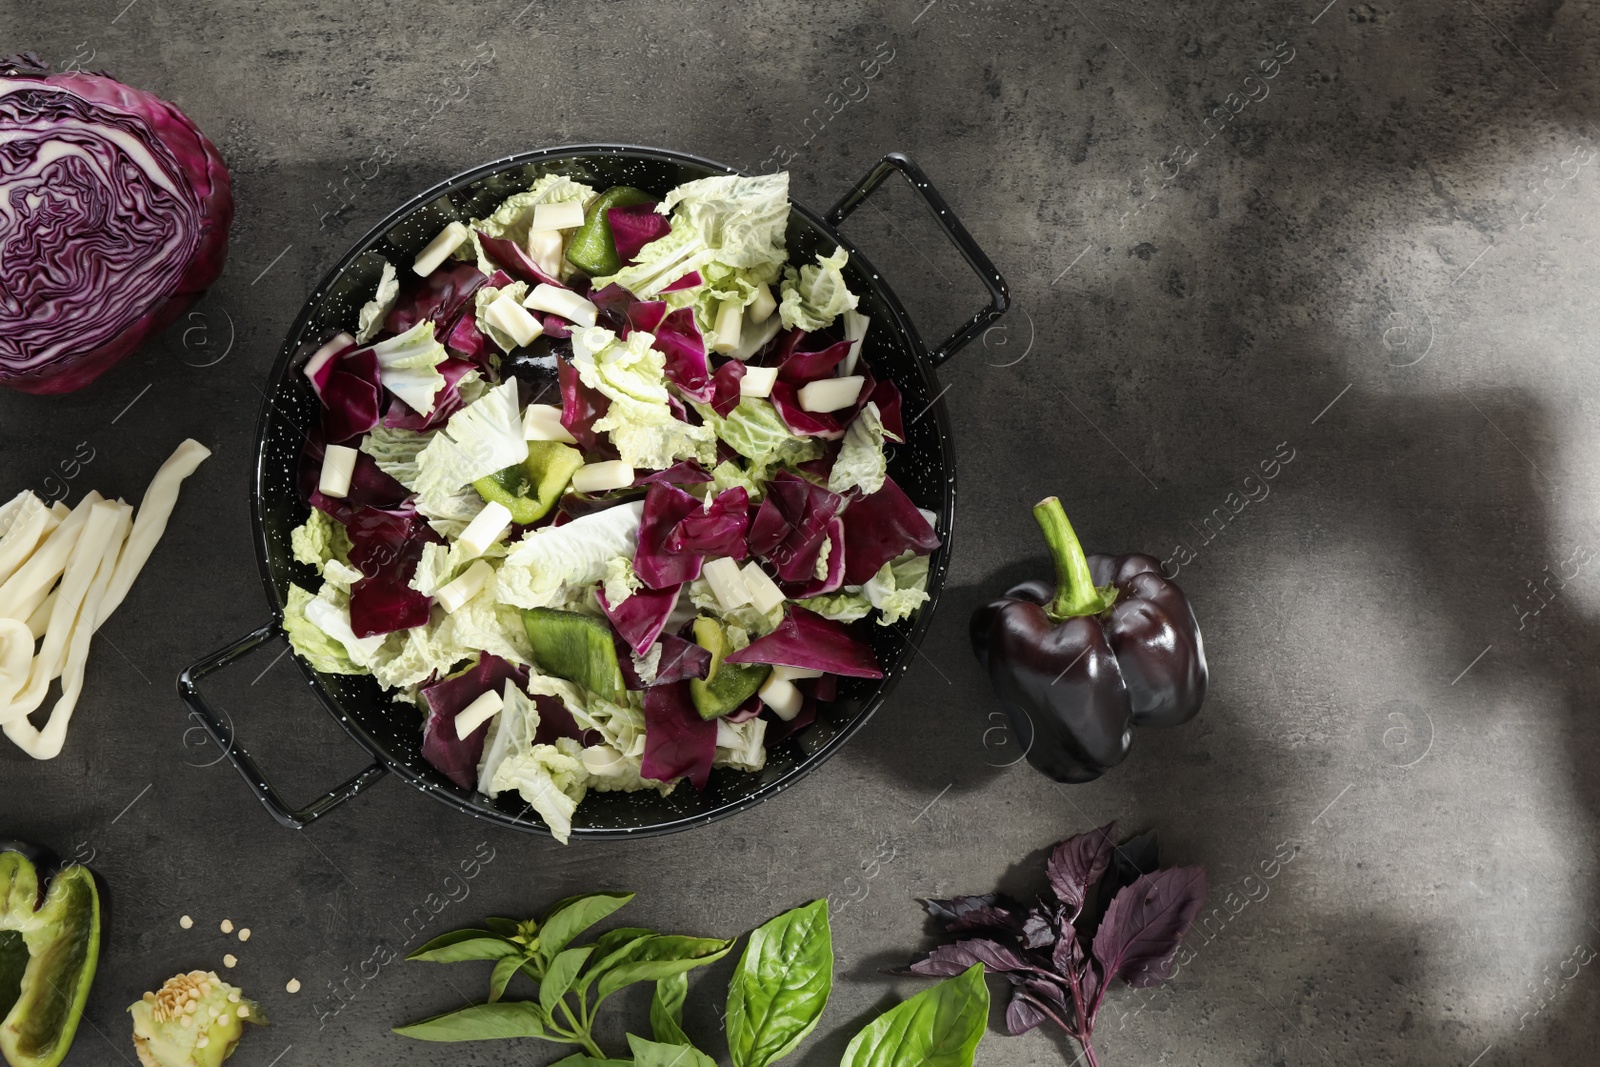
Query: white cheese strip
<point x="438" y="250"/>
<point x="16" y="656"/>
<point x="562" y="215"/>
<point x="90" y="550"/>
<point x="25" y="522"/>
<point x="855" y="331"/>
<point x="486" y="527"/>
<point x="47" y="743"/>
<point x="603" y="761"/>
<point x="40" y="619"/>
<point x="830" y="394"/>
<point x="338" y="464"/>
<point x="542" y="422"/>
<point x="155" y="508"/>
<point x="781" y="696"/>
<point x="563" y="302"/>
<point x="758" y="381"/>
<point x="465" y="586"/>
<point x="727" y="584"/>
<point x="764" y="592"/>
<point x="762" y="305"/>
<point x="545" y="248"/>
<point x="730" y="322"/>
<point x="25" y="590"/>
<point x="602" y="477"/>
<point x="505" y="313"/>
<point x="480" y="711"/>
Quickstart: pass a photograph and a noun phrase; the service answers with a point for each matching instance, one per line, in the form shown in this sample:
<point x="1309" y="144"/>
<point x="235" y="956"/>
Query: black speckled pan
<point x="391" y="731"/>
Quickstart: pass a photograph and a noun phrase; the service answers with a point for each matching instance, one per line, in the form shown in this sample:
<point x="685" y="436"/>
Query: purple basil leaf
<point x="1137" y="855"/>
<point x="1038" y="931"/>
<point x="1022" y="1014"/>
<point x="989" y="912"/>
<point x="1078" y="863"/>
<point x="1144" y="926"/>
<point x="948" y="960"/>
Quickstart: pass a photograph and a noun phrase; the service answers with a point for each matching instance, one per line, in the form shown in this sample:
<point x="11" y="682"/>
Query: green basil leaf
<point x="782" y="984"/>
<point x="656" y="1054"/>
<point x="481" y="1022"/>
<point x="558" y="978"/>
<point x="939" y="1027"/>
<point x="504" y="927"/>
<point x="503" y="971"/>
<point x="573" y="916"/>
<point x="461" y="945"/>
<point x="660" y="957"/>
<point x="666" y="1010"/>
<point x="580" y="1059"/>
<point x="611" y="948"/>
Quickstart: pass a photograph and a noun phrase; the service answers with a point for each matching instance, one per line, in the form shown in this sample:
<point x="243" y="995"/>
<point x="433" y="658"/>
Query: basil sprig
<point x="775" y="998"/>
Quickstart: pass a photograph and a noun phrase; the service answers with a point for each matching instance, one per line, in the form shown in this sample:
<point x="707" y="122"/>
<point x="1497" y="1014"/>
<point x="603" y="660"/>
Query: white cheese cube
<point x="545" y="248"/>
<point x="727" y="584"/>
<point x="542" y="422"/>
<point x="338" y="464"/>
<point x="487" y="527"/>
<point x="830" y="394"/>
<point x="758" y="381"/>
<point x="602" y="477"/>
<point x="504" y="313"/>
<point x="438" y="250"/>
<point x="466" y="586"/>
<point x="725" y="338"/>
<point x="478" y="712"/>
<point x="764" y="592"/>
<point x="563" y="302"/>
<point x="566" y="215"/>
<point x="781" y="696"/>
<point x="763" y="305"/>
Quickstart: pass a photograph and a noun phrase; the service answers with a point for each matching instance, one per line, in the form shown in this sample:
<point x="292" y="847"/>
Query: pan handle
<point x="222" y="733"/>
<point x="999" y="296"/>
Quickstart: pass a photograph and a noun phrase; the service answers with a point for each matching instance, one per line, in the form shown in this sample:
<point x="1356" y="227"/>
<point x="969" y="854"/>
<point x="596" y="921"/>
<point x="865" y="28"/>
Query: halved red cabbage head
<point x="114" y="215"/>
<point x="457" y="757"/>
<point x="807" y="640"/>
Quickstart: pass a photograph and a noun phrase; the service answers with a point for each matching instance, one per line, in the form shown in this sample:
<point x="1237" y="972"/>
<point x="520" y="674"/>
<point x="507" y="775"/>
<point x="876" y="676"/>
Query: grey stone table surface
<point x="1360" y="239"/>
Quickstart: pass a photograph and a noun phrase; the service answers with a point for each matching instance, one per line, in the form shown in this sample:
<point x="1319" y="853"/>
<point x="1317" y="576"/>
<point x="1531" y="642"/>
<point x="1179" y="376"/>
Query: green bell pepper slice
<point x="726" y="685"/>
<point x="592" y="248"/>
<point x="49" y="949"/>
<point x="531" y="488"/>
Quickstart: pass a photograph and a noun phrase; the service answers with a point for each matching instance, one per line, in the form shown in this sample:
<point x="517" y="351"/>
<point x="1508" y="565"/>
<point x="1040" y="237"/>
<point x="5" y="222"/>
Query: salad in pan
<point x="599" y="485"/>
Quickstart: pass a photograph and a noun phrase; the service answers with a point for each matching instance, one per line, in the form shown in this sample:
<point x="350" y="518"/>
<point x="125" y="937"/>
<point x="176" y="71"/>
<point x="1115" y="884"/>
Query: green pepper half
<point x="726" y="685"/>
<point x="576" y="647"/>
<point x="531" y="488"/>
<point x="49" y="949"/>
<point x="592" y="249"/>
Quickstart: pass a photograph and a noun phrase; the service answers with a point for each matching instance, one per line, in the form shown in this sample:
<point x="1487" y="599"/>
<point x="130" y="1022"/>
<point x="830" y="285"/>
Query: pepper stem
<point x="1075" y="589"/>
